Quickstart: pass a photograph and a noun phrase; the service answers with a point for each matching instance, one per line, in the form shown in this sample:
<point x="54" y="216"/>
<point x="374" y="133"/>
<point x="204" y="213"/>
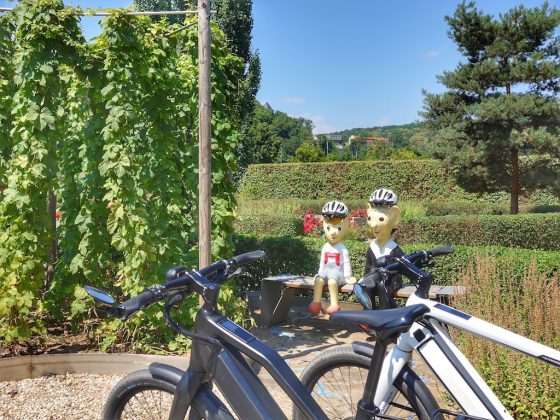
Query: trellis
<point x="205" y="116"/>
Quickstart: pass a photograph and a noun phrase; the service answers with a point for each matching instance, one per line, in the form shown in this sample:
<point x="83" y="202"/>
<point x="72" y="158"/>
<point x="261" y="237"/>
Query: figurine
<point x="383" y="218"/>
<point x="334" y="267"/>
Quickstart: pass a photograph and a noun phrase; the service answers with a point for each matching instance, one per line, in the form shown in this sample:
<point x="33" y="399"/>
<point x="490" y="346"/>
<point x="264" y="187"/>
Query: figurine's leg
<point x="333" y="292"/>
<point x="315" y="306"/>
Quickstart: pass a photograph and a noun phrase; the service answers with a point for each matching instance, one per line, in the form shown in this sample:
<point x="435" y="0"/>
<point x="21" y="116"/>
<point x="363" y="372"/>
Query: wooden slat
<point x="436" y="291"/>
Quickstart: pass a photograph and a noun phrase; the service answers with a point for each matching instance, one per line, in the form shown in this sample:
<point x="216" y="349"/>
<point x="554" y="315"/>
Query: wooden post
<point x="51" y="197"/>
<point x="204" y="135"/>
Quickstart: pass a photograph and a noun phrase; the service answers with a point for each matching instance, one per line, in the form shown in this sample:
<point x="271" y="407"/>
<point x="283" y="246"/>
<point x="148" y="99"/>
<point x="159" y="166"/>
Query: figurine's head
<point x="383" y="214"/>
<point x="335" y="222"/>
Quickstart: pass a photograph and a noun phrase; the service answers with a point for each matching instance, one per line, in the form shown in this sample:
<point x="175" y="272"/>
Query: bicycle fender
<point x="213" y="408"/>
<point x="363" y="349"/>
<point x="166" y="373"/>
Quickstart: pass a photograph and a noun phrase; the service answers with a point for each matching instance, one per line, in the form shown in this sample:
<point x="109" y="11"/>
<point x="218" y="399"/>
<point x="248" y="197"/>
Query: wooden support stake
<point x="51" y="197"/>
<point x="204" y="135"/>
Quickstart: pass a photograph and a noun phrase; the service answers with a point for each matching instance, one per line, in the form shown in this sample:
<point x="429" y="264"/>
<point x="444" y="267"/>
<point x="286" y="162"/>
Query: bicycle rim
<point x="147" y="403"/>
<point x="339" y="389"/>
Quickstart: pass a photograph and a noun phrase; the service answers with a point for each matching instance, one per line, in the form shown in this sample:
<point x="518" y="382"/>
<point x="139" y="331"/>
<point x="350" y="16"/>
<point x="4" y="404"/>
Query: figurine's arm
<point x="370" y="258"/>
<point x="346" y="264"/>
<point x="347" y="267"/>
<point x="322" y="262"/>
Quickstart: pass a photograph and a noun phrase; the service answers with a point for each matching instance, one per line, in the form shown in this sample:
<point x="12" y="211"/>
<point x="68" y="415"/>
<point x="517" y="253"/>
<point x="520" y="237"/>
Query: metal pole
<point x="152" y="13"/>
<point x="204" y="135"/>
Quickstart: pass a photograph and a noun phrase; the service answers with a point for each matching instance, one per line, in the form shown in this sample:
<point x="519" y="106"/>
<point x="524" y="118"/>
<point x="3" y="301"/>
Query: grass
<point x="530" y="307"/>
<point x="409" y="209"/>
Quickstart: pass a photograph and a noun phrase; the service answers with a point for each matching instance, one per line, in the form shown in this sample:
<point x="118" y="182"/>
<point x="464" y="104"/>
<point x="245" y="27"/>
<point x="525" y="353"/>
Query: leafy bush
<point x="300" y="256"/>
<point x="117" y="145"/>
<point x="532" y="231"/>
<point x="410" y="179"/>
<point x="445" y="208"/>
<point x="524" y="301"/>
<point x="270" y="224"/>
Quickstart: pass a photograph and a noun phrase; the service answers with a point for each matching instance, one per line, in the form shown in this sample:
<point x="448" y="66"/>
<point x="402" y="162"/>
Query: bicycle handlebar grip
<point x="247" y="258"/>
<point x="443" y="250"/>
<point x="138" y="302"/>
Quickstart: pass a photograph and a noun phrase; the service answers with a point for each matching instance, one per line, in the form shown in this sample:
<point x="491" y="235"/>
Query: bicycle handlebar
<point x="410" y="267"/>
<point x="181" y="280"/>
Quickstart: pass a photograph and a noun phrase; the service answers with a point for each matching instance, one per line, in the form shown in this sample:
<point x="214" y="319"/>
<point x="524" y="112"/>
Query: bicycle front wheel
<point x="140" y="396"/>
<point x="336" y="380"/>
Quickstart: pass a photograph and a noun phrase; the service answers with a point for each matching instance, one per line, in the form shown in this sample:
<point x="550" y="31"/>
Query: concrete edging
<point x="24" y="367"/>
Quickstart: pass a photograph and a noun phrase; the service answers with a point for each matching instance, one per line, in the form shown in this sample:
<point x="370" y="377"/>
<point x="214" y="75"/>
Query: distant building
<point x="373" y="140"/>
<point x="267" y="106"/>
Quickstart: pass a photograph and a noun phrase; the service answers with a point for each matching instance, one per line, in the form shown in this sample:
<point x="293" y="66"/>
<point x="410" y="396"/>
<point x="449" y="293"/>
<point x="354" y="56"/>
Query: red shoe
<point x="314" y="307"/>
<point x="332" y="309"/>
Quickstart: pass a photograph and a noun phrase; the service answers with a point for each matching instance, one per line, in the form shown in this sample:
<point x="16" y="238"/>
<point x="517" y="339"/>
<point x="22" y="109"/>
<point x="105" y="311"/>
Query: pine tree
<point x="498" y="121"/>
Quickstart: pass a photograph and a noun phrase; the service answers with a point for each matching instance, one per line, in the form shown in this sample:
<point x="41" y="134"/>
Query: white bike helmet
<point x="335" y="209"/>
<point x="383" y="197"/>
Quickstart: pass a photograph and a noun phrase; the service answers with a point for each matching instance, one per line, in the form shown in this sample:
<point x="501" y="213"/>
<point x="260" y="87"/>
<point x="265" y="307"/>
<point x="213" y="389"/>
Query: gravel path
<point x="55" y="397"/>
<point x="74" y="396"/>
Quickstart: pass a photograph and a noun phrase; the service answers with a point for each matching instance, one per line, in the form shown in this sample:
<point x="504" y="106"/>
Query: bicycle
<point x="216" y="356"/>
<point x="338" y="372"/>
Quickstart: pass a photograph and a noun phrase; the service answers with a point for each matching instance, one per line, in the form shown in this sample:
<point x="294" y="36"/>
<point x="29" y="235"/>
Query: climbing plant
<point x="7" y="89"/>
<point x="111" y="129"/>
<point x="45" y="41"/>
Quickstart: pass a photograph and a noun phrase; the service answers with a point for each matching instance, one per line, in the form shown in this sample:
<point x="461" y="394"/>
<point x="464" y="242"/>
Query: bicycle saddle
<point x="385" y="324"/>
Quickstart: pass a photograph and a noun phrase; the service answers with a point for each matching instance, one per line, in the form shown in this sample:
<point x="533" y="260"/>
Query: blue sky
<point x="347" y="64"/>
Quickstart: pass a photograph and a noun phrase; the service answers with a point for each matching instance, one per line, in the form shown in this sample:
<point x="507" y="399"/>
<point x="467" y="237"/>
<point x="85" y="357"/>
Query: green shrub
<point x="300" y="256"/>
<point x="279" y="224"/>
<point x="532" y="231"/>
<point x="446" y="208"/>
<point x="527" y="306"/>
<point x="410" y="179"/>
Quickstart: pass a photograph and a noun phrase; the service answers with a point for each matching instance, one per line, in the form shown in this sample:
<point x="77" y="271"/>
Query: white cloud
<point x="294" y="100"/>
<point x="320" y="126"/>
<point x="432" y="54"/>
<point x="383" y="121"/>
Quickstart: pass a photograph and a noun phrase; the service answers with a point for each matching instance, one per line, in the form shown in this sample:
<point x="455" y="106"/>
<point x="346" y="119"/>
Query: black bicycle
<point x="217" y="356"/>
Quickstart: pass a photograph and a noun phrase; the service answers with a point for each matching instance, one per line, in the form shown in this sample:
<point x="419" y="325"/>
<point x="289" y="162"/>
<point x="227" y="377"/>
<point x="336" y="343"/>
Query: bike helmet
<point x="335" y="209"/>
<point x="383" y="197"/>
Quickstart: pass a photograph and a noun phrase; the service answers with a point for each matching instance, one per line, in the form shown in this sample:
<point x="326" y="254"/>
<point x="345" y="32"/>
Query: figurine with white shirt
<point x="334" y="266"/>
<point x="383" y="219"/>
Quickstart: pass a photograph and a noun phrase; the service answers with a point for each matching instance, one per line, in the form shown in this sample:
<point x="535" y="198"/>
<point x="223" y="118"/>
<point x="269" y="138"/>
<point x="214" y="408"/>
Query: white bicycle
<point x="337" y="377"/>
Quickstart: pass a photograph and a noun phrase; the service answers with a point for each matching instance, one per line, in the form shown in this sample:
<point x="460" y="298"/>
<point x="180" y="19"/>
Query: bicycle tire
<point x="125" y="394"/>
<point x="340" y="401"/>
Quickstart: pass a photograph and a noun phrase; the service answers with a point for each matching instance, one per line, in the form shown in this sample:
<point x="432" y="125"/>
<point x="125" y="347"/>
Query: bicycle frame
<point x="449" y="364"/>
<point x="223" y="364"/>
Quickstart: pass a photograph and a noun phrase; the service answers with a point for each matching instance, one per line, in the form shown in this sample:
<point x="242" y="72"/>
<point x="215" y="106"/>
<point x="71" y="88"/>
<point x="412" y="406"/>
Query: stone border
<point x="24" y="367"/>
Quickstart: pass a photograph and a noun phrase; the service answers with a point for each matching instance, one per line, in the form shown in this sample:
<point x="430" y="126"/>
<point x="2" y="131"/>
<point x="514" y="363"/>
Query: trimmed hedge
<point x="466" y="208"/>
<point x="270" y="224"/>
<point x="300" y="256"/>
<point x="410" y="179"/>
<point x="418" y="179"/>
<point x="531" y="231"/>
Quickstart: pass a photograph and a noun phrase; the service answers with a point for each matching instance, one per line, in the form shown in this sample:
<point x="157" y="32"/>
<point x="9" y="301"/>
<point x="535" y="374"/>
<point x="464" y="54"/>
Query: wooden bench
<point x="277" y="293"/>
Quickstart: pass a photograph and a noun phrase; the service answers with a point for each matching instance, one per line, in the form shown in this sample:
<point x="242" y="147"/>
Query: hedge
<point x="270" y="224"/>
<point x="446" y="208"/>
<point x="531" y="231"/>
<point x="300" y="256"/>
<point x="410" y="179"/>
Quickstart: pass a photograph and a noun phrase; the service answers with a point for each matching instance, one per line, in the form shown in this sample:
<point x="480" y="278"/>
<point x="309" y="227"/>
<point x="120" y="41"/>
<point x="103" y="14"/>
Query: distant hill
<point x="398" y="135"/>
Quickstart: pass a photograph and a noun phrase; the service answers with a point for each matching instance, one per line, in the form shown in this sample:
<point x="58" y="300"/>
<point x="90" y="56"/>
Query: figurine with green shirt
<point x="383" y="219"/>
